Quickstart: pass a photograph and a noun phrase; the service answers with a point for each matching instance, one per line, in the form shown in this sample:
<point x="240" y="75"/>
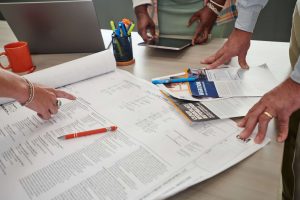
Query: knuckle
<point x="252" y="115"/>
<point x="248" y="129"/>
<point x="262" y="119"/>
<point x="250" y="112"/>
<point x="47" y="115"/>
<point x="53" y="97"/>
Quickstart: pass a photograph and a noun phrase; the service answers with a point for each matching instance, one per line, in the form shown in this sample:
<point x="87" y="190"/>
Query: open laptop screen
<point x="55" y="26"/>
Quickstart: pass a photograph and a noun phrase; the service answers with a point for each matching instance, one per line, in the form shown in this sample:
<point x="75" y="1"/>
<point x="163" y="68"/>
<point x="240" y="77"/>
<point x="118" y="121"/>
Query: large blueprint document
<point x="152" y="150"/>
<point x="73" y="71"/>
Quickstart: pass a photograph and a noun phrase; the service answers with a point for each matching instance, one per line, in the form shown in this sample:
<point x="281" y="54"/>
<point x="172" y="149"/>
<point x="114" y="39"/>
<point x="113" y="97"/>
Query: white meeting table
<point x="255" y="178"/>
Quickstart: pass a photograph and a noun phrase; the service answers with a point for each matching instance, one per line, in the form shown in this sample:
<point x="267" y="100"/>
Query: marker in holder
<point x="122" y="47"/>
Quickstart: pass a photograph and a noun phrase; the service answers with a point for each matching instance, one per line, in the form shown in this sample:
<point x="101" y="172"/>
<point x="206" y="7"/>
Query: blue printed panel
<point x="203" y="89"/>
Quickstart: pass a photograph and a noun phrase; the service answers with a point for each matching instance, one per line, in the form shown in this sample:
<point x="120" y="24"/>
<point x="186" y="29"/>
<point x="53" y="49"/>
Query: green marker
<point x="130" y="29"/>
<point x="112" y="25"/>
<point x="119" y="49"/>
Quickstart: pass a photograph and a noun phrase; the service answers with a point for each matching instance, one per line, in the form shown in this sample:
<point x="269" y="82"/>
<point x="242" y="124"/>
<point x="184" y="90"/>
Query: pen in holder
<point x="122" y="47"/>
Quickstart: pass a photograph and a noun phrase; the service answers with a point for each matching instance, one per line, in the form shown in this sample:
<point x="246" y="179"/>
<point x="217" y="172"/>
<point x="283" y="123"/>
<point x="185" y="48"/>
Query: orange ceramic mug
<point x="18" y="57"/>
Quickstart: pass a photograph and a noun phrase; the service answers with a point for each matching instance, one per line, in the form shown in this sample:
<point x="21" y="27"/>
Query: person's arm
<point x="248" y="12"/>
<point x="280" y="102"/>
<point x="42" y="100"/>
<point x="206" y="18"/>
<point x="295" y="75"/>
<point x="238" y="42"/>
<point x="144" y="21"/>
<point x="140" y="2"/>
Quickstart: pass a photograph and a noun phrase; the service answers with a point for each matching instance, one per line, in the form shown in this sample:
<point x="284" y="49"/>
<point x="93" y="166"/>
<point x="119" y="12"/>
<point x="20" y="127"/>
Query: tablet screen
<point x="168" y="43"/>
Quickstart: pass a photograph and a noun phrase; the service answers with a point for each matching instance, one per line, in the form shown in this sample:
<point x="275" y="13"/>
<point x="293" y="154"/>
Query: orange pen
<point x="126" y="21"/>
<point x="86" y="133"/>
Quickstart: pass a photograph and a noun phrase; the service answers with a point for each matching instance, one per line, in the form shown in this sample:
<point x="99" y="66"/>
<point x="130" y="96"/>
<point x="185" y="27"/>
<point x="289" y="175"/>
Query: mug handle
<point x="8" y="67"/>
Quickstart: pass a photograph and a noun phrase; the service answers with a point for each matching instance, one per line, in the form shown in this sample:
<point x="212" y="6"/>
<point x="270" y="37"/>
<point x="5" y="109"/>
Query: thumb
<point x="193" y="18"/>
<point x="283" y="126"/>
<point x="143" y="34"/>
<point x="242" y="60"/>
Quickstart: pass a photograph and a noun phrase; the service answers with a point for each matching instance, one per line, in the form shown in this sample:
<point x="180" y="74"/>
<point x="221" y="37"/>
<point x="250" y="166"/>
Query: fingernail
<point x="279" y="139"/>
<point x="204" y="61"/>
<point x="245" y="67"/>
<point x="256" y="141"/>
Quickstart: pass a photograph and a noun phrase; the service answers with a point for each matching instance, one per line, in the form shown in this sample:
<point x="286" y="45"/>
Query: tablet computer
<point x="55" y="26"/>
<point x="167" y="43"/>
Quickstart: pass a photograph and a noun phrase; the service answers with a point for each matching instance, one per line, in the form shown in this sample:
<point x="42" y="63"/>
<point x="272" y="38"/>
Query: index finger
<point x="211" y="59"/>
<point x="143" y="34"/>
<point x="199" y="29"/>
<point x="222" y="57"/>
<point x="192" y="19"/>
<point x="251" y="119"/>
<point x="152" y="31"/>
<point x="63" y="94"/>
<point x="204" y="37"/>
<point x="220" y="61"/>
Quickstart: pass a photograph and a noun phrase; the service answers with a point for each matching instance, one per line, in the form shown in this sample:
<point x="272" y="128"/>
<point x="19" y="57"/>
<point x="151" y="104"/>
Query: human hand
<point x="144" y="22"/>
<point x="206" y="18"/>
<point x="45" y="100"/>
<point x="280" y="102"/>
<point x="237" y="44"/>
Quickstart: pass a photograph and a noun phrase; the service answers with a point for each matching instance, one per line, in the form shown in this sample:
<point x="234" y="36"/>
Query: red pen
<point x="86" y="133"/>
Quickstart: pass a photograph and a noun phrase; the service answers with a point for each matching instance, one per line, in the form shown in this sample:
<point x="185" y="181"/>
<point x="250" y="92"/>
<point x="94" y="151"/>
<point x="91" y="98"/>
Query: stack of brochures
<point x="201" y="94"/>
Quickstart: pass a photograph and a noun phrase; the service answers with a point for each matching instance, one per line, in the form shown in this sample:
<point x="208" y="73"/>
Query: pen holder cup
<point x="122" y="47"/>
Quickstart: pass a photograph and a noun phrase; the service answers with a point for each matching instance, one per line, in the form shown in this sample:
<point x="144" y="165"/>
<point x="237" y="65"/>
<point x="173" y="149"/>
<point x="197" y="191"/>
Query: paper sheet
<point x="151" y="146"/>
<point x="73" y="71"/>
<point x="224" y="108"/>
<point x="231" y="107"/>
<point x="196" y="111"/>
<point x="233" y="82"/>
<point x="228" y="73"/>
<point x="208" y="165"/>
<point x="229" y="81"/>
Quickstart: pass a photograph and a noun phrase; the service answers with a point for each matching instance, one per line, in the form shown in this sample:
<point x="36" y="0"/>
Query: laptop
<point x="55" y="26"/>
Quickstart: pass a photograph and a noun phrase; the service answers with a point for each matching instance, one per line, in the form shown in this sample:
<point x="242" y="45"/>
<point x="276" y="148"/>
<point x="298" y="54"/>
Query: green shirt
<point x="173" y="17"/>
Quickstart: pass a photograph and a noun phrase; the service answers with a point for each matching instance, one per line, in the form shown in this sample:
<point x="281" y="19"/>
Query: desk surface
<point x="257" y="177"/>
